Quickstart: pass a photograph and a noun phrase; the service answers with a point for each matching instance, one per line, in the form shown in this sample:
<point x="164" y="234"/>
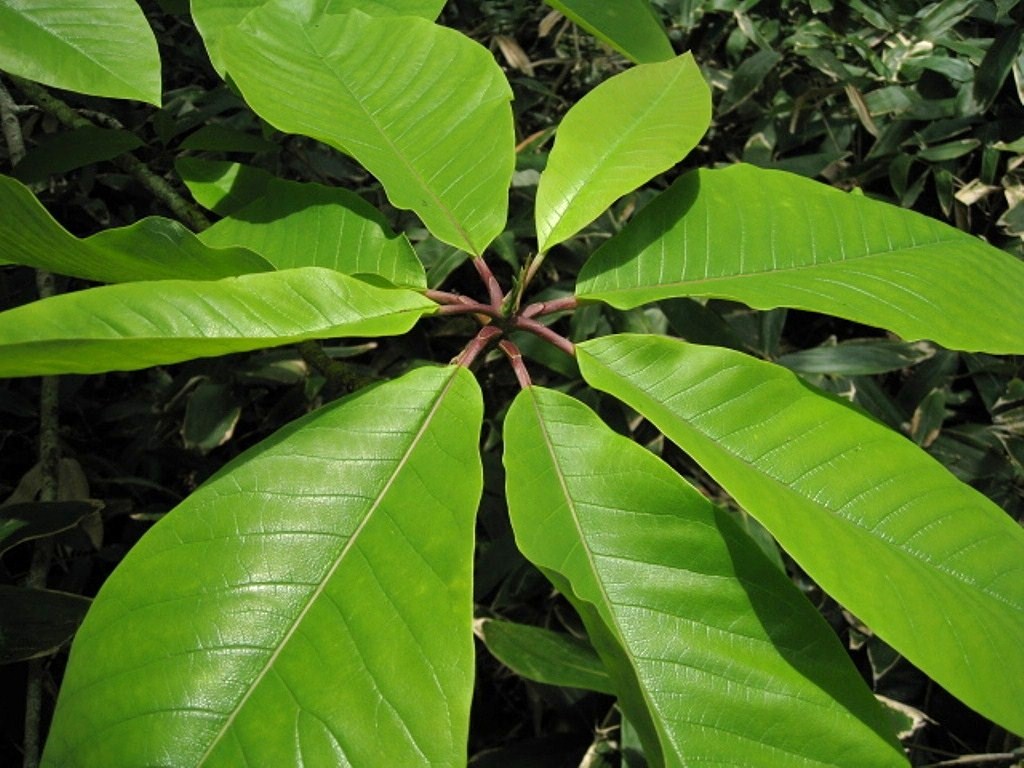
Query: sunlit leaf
<point x="137" y="325"/>
<point x="716" y="657"/>
<point x="628" y="26"/>
<point x="928" y="563"/>
<point x="309" y="605"/>
<point x="101" y="48"/>
<point x="627" y="130"/>
<point x="772" y="239"/>
<point x="424" y="108"/>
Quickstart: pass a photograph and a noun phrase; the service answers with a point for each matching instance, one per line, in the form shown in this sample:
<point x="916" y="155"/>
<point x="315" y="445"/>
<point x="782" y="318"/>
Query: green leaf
<point x="723" y="655"/>
<point x="36" y="622"/>
<point x="221" y="186"/>
<point x="28" y="521"/>
<point x="151" y="249"/>
<point x="616" y="138"/>
<point x="310" y="605"/>
<point x="309" y="225"/>
<point x="552" y="658"/>
<point x="137" y="325"/>
<point x="214" y="18"/>
<point x="629" y="26"/>
<point x="65" y="151"/>
<point x="860" y="357"/>
<point x="103" y="49"/>
<point x="931" y="565"/>
<point x="424" y="108"/>
<point x="772" y="239"/>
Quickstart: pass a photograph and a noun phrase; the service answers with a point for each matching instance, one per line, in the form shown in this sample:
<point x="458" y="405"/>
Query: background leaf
<point x="731" y="663"/>
<point x="771" y="239"/>
<point x="928" y="563"/>
<point x="629" y="26"/>
<point x="350" y="530"/>
<point x="137" y="325"/>
<point x="151" y="249"/>
<point x="620" y="135"/>
<point x="36" y="622"/>
<point x="101" y="48"/>
<point x="423" y="108"/>
<point x="310" y="225"/>
<point x="544" y="656"/>
<point x="65" y="151"/>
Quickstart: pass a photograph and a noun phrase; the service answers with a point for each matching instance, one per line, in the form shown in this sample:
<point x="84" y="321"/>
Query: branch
<point x="11" y="127"/>
<point x="157" y="185"/>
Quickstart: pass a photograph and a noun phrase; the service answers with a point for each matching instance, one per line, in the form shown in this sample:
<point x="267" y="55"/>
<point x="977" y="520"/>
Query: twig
<point x="995" y="759"/>
<point x="42" y="554"/>
<point x="340" y="377"/>
<point x="11" y="127"/>
<point x="157" y="185"/>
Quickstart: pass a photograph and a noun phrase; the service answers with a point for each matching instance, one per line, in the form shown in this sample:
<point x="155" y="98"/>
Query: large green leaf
<point x="151" y="249"/>
<point x="628" y="26"/>
<point x="771" y="239"/>
<point x="931" y="565"/>
<point x="310" y="225"/>
<point x="214" y="17"/>
<point x="101" y="48"/>
<point x="728" y="661"/>
<point x="309" y="605"/>
<point x="424" y="108"/>
<point x="136" y="325"/>
<point x="624" y="132"/>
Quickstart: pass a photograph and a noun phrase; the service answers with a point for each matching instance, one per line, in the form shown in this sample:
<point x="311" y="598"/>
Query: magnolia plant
<point x="311" y="604"/>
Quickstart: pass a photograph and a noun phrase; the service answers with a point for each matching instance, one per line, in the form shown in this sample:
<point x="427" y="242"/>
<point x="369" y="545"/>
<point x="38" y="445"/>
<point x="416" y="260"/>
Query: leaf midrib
<point x="315" y="595"/>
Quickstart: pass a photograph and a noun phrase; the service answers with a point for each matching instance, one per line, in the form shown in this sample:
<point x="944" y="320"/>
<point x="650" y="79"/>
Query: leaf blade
<point x="374" y="88"/>
<point x="617" y="137"/>
<point x="309" y="225"/>
<point x="629" y="27"/>
<point x="136" y="325"/>
<point x="928" y="563"/>
<point x="771" y="239"/>
<point x="717" y="644"/>
<point x="309" y="654"/>
<point x="150" y="249"/>
<point x="103" y="49"/>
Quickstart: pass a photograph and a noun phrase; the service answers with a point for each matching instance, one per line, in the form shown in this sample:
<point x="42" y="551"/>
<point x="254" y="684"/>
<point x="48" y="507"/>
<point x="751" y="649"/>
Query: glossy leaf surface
<point x="137" y="325"/>
<point x="702" y="635"/>
<point x="151" y="249"/>
<point x="620" y="135"/>
<point x="425" y="109"/>
<point x="628" y="26"/>
<point x="215" y="17"/>
<point x="309" y="605"/>
<point x="544" y="656"/>
<point x="101" y="48"/>
<point x="310" y="225"/>
<point x="931" y="565"/>
<point x="773" y="239"/>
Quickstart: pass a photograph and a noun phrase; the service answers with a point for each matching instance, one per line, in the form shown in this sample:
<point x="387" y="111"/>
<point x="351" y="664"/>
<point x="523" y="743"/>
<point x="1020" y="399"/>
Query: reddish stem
<point x="477" y="345"/>
<point x="515" y="357"/>
<point x="528" y="324"/>
<point x="493" y="288"/>
<point x="469" y="307"/>
<point x="548" y="307"/>
<point x="444" y="297"/>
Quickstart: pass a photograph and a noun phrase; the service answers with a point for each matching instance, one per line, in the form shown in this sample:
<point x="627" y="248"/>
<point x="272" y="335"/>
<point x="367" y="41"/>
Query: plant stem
<point x="531" y="325"/>
<point x="515" y="358"/>
<point x="340" y="377"/>
<point x="493" y="288"/>
<point x="49" y="488"/>
<point x="477" y="345"/>
<point x="157" y="185"/>
<point x="548" y="307"/>
<point x="11" y="127"/>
